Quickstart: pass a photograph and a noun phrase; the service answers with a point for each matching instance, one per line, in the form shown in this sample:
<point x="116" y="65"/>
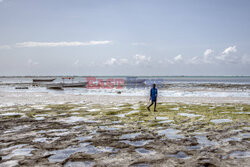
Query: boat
<point x="55" y="86"/>
<point x="22" y="87"/>
<point x="133" y="80"/>
<point x="44" y="80"/>
<point x="78" y="84"/>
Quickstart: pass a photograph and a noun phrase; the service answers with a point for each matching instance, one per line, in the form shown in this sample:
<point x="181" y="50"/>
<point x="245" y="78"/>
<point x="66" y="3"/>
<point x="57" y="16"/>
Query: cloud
<point x="136" y="60"/>
<point x="76" y="62"/>
<point x="178" y="58"/>
<point x="61" y="44"/>
<point x="245" y="59"/>
<point x="227" y="55"/>
<point x="138" y="44"/>
<point x="141" y="59"/>
<point x="123" y="61"/>
<point x="208" y="52"/>
<point x="229" y="50"/>
<point x="114" y="61"/>
<point x="4" y="47"/>
<point x="207" y="57"/>
<point x="31" y="62"/>
<point x="194" y="60"/>
<point x="111" y="61"/>
<point x="1" y="1"/>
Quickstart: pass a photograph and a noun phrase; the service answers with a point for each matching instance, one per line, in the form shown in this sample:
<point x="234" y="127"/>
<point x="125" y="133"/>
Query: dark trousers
<point x="153" y="102"/>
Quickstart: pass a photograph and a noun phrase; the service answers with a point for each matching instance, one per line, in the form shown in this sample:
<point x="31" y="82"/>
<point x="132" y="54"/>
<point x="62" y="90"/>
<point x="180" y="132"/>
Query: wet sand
<point x="43" y="129"/>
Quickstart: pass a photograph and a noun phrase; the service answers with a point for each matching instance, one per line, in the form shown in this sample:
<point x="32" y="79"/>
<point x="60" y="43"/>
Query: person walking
<point x="153" y="97"/>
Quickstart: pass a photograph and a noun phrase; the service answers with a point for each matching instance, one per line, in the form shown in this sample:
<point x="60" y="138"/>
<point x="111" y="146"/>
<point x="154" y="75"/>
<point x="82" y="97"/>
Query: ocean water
<point x="169" y="86"/>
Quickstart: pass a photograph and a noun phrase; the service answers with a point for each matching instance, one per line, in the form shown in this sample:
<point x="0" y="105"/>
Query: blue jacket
<point x="153" y="94"/>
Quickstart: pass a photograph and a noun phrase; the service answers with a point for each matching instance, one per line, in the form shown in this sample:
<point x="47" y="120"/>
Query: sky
<point x="124" y="37"/>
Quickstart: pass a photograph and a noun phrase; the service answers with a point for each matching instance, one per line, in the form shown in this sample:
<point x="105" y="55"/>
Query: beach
<point x="192" y="127"/>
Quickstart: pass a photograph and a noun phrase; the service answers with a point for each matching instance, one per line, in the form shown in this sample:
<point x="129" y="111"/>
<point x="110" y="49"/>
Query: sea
<point x="168" y="86"/>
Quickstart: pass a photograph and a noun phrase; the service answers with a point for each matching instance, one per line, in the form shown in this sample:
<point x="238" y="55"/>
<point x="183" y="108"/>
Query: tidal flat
<point x="125" y="134"/>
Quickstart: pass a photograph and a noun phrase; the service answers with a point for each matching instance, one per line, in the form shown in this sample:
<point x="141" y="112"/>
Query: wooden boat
<point x="70" y="85"/>
<point x="44" y="80"/>
<point x="22" y="87"/>
<point x="134" y="80"/>
<point x="55" y="86"/>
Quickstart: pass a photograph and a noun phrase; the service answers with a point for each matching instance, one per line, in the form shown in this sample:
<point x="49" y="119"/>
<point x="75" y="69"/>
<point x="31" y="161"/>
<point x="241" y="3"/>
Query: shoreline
<point x="23" y="98"/>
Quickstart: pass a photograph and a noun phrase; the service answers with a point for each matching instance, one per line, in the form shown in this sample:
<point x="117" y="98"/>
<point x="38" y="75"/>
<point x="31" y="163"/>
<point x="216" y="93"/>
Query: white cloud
<point x="4" y="47"/>
<point x="114" y="61"/>
<point x="61" y="44"/>
<point x="245" y="59"/>
<point x="141" y="59"/>
<point x="227" y="56"/>
<point x="111" y="61"/>
<point x="138" y="44"/>
<point x="123" y="61"/>
<point x="137" y="59"/>
<point x="194" y="60"/>
<point x="207" y="57"/>
<point x="76" y="62"/>
<point x="178" y="58"/>
<point x="208" y="52"/>
<point x="229" y="50"/>
<point x="31" y="62"/>
<point x="1" y="1"/>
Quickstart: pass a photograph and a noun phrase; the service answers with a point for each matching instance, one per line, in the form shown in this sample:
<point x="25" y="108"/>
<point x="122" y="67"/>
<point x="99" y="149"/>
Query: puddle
<point x="57" y="130"/>
<point x="74" y="119"/>
<point x="161" y="118"/>
<point x="39" y="118"/>
<point x="18" y="152"/>
<point x="141" y="165"/>
<point x="117" y="122"/>
<point x="61" y="155"/>
<point x="40" y="140"/>
<point x="75" y="113"/>
<point x="136" y="143"/>
<point x="18" y="128"/>
<point x="218" y="121"/>
<point x="240" y="154"/>
<point x="13" y="147"/>
<point x="62" y="114"/>
<point x="80" y="164"/>
<point x="245" y="135"/>
<point x="42" y="115"/>
<point x="166" y="121"/>
<point x="232" y="139"/>
<point x="242" y="113"/>
<point x="130" y="136"/>
<point x="180" y="155"/>
<point x="84" y="138"/>
<point x="171" y="133"/>
<point x="123" y="115"/>
<point x="11" y="114"/>
<point x="10" y="163"/>
<point x="107" y="128"/>
<point x="246" y="128"/>
<point x="94" y="110"/>
<point x="144" y="151"/>
<point x="189" y="115"/>
<point x="202" y="140"/>
<point x="113" y="108"/>
<point x="175" y="109"/>
<point x="132" y="112"/>
<point x="197" y="147"/>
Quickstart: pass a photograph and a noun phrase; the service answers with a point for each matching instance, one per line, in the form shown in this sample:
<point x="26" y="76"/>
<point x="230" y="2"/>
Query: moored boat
<point x="78" y="84"/>
<point x="44" y="80"/>
<point x="55" y="86"/>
